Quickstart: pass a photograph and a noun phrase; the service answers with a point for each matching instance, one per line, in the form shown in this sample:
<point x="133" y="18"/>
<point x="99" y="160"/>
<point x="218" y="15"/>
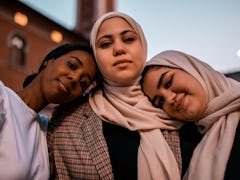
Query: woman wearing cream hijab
<point x="189" y="89"/>
<point x="121" y="100"/>
<point x="85" y="137"/>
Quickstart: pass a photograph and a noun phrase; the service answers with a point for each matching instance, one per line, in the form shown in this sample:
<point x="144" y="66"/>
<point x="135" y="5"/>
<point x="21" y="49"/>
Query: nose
<point x="74" y="76"/>
<point x="169" y="96"/>
<point x="118" y="48"/>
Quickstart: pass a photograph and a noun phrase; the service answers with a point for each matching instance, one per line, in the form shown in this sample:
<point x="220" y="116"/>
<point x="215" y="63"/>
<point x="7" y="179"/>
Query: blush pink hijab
<point x="127" y="106"/>
<point x="220" y="120"/>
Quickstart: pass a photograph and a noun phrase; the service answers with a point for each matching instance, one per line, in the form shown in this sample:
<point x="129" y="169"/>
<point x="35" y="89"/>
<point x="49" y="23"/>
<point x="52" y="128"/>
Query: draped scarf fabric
<point x="128" y="107"/>
<point x="220" y="120"/>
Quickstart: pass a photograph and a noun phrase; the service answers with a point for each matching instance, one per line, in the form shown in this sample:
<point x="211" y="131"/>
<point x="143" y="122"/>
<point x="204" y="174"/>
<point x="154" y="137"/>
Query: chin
<point x="57" y="101"/>
<point x="127" y="83"/>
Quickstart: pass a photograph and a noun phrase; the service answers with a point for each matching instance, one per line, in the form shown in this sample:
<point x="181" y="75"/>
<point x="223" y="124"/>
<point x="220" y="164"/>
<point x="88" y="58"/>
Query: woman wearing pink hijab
<point x="115" y="134"/>
<point x="190" y="90"/>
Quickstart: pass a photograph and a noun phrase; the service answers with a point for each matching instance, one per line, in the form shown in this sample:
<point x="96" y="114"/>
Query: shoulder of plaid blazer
<point x="77" y="147"/>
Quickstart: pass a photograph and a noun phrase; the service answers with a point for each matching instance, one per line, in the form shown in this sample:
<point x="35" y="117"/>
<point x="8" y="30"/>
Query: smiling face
<point x="119" y="52"/>
<point x="175" y="91"/>
<point x="68" y="76"/>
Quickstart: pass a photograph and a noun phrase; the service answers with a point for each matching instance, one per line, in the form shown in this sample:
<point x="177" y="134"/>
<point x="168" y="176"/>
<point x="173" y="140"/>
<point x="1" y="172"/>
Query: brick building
<point x="27" y="36"/>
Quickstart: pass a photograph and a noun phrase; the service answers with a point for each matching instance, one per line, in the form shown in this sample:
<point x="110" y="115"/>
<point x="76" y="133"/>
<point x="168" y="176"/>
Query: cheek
<point x="146" y="90"/>
<point x="47" y="83"/>
<point x="173" y="114"/>
<point x="77" y="92"/>
<point x="93" y="70"/>
<point x="147" y="85"/>
<point x="202" y="105"/>
<point x="102" y="62"/>
<point x="140" y="59"/>
<point x="150" y="82"/>
<point x="138" y="55"/>
<point x="195" y="111"/>
<point x="201" y="99"/>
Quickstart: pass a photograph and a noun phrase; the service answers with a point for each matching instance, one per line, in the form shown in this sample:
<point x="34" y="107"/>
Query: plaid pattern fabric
<point x="173" y="140"/>
<point x="75" y="152"/>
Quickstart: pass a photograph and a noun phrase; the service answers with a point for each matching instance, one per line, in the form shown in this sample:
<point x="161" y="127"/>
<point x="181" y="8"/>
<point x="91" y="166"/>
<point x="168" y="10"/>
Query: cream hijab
<point x="127" y="106"/>
<point x="220" y="120"/>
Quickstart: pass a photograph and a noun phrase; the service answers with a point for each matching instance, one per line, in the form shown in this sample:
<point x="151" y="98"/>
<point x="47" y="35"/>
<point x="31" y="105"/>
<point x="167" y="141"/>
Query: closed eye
<point x="158" y="101"/>
<point x="105" y="45"/>
<point x="129" y="40"/>
<point x="71" y="65"/>
<point x="161" y="102"/>
<point x="169" y="82"/>
<point x="104" y="41"/>
<point x="84" y="82"/>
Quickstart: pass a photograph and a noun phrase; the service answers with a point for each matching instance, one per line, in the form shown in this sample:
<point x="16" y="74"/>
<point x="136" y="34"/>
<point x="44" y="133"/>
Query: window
<point x="17" y="53"/>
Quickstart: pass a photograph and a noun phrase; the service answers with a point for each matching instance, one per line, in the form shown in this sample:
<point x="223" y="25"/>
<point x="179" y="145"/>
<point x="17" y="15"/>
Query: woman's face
<point x="119" y="52"/>
<point x="175" y="91"/>
<point x="68" y="76"/>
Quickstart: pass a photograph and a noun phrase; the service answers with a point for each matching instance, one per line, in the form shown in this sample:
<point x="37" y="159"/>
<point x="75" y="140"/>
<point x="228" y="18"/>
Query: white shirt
<point x="23" y="145"/>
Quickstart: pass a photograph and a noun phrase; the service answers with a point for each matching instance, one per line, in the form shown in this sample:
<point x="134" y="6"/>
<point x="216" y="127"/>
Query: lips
<point x="63" y="87"/>
<point x="180" y="102"/>
<point x="121" y="62"/>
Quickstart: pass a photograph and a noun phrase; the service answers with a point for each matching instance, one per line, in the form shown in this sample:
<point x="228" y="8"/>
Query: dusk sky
<point x="206" y="29"/>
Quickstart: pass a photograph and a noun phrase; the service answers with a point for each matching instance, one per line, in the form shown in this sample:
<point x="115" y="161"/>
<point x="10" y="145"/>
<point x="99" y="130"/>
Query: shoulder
<point x="1" y="95"/>
<point x="75" y="106"/>
<point x="72" y="113"/>
<point x="7" y="94"/>
<point x="11" y="102"/>
<point x="4" y="90"/>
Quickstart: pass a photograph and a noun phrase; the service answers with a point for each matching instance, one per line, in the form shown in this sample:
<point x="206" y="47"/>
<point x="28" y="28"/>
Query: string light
<point x="20" y="19"/>
<point x="56" y="36"/>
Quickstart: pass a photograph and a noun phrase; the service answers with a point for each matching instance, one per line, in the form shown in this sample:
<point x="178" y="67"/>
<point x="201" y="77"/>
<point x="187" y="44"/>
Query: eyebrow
<point x="126" y="31"/>
<point x="109" y="36"/>
<point x="81" y="64"/>
<point x="104" y="36"/>
<point x="158" y="86"/>
<point x="76" y="58"/>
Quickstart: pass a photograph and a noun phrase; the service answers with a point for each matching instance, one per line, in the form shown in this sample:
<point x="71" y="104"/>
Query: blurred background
<point x="206" y="29"/>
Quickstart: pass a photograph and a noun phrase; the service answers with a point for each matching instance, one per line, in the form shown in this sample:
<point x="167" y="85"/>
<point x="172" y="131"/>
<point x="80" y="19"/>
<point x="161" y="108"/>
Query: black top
<point x="123" y="148"/>
<point x="233" y="170"/>
<point x="189" y="138"/>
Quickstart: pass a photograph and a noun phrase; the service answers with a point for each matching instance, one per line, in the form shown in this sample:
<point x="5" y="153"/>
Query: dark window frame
<point x="17" y="50"/>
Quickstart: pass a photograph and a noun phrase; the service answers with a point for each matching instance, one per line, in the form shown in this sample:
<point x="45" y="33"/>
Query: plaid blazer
<point x="75" y="152"/>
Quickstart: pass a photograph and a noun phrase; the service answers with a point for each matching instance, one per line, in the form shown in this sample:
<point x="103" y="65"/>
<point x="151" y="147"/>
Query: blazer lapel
<point x="96" y="144"/>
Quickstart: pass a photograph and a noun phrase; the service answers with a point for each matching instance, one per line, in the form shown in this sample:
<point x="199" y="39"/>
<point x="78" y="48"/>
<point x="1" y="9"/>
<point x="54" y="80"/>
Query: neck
<point x="32" y="97"/>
